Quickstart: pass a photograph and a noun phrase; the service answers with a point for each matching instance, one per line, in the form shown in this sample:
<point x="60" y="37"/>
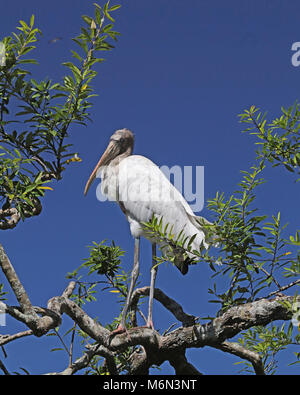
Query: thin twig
<point x="3" y="368"/>
<point x="4" y="339"/>
<point x="284" y="288"/>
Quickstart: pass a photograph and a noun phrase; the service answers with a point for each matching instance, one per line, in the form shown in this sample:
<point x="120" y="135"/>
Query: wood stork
<point x="142" y="190"/>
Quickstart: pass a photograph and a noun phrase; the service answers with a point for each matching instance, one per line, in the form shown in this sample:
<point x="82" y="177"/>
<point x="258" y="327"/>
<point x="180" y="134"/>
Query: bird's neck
<point x="122" y="156"/>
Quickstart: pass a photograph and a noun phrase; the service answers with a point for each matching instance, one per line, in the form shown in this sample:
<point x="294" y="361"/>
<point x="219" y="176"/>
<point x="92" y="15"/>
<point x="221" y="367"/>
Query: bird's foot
<point x="120" y="329"/>
<point x="149" y="325"/>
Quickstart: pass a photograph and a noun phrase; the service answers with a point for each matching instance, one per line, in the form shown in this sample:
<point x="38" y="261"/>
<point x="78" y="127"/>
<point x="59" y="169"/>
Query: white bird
<point x="143" y="191"/>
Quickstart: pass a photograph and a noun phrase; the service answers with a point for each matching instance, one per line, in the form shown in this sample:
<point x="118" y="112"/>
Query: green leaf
<point x="24" y="25"/>
<point x="57" y="349"/>
<point x="107" y="28"/>
<point x="32" y="21"/>
<point x="98" y="16"/>
<point x="75" y="54"/>
<point x="288" y="167"/>
<point x="115" y="7"/>
<point x="27" y="61"/>
<point x="81" y="43"/>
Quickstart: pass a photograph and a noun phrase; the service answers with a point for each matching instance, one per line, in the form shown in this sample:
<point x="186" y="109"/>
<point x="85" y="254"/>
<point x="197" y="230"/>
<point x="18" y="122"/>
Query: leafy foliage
<point x="2" y="293"/>
<point x="34" y="148"/>
<point x="104" y="259"/>
<point x="252" y="251"/>
<point x="268" y="342"/>
<point x="279" y="140"/>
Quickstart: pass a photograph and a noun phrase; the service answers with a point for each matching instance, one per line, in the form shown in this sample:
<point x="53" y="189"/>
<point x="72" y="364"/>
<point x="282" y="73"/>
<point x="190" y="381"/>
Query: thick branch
<point x="61" y="304"/>
<point x="157" y="348"/>
<point x="242" y="352"/>
<point x="214" y="333"/>
<point x="10" y="217"/>
<point x="15" y="283"/>
<point x="51" y="317"/>
<point x="169" y="303"/>
<point x="139" y="362"/>
<point x="4" y="339"/>
<point x="182" y="366"/>
<point x="84" y="361"/>
<point x="233" y="321"/>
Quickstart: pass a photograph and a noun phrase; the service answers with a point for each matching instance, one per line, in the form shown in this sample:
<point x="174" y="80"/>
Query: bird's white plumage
<point x="144" y="191"/>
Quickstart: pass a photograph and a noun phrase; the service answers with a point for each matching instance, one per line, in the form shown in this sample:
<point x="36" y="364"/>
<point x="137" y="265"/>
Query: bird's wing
<point x="145" y="191"/>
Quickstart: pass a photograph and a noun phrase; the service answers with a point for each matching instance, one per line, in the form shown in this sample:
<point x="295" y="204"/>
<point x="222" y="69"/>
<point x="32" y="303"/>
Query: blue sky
<point x="180" y="74"/>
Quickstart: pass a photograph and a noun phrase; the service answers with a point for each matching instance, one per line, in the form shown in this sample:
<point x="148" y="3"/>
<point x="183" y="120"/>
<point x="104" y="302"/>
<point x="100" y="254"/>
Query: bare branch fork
<point x="156" y="348"/>
<point x="10" y="217"/>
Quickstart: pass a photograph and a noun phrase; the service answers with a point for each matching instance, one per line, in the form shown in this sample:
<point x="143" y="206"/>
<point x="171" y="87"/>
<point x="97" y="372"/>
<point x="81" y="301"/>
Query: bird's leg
<point x="134" y="275"/>
<point x="152" y="285"/>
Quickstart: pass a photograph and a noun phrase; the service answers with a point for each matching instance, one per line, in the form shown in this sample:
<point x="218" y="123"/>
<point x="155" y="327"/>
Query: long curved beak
<point x="109" y="154"/>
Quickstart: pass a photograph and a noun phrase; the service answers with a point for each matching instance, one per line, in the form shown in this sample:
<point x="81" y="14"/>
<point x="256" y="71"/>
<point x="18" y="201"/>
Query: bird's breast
<point x="135" y="227"/>
<point x="109" y="182"/>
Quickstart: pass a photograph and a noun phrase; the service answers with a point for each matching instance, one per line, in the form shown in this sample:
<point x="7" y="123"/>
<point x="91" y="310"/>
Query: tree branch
<point x="3" y="368"/>
<point x="15" y="283"/>
<point x="4" y="339"/>
<point x="182" y="366"/>
<point x="283" y="288"/>
<point x="10" y="216"/>
<point x="233" y="321"/>
<point x="14" y="218"/>
<point x="157" y="348"/>
<point x="242" y="352"/>
<point x="84" y="361"/>
<point x="169" y="303"/>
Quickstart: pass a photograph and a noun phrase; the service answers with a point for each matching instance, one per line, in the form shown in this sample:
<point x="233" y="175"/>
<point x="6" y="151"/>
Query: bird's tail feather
<point x="206" y="227"/>
<point x="180" y="260"/>
<point x="182" y="264"/>
<point x="207" y="236"/>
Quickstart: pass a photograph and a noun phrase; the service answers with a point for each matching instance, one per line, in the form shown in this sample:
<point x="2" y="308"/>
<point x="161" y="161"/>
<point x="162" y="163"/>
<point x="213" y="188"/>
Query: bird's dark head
<point x="123" y="139"/>
<point x="120" y="143"/>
